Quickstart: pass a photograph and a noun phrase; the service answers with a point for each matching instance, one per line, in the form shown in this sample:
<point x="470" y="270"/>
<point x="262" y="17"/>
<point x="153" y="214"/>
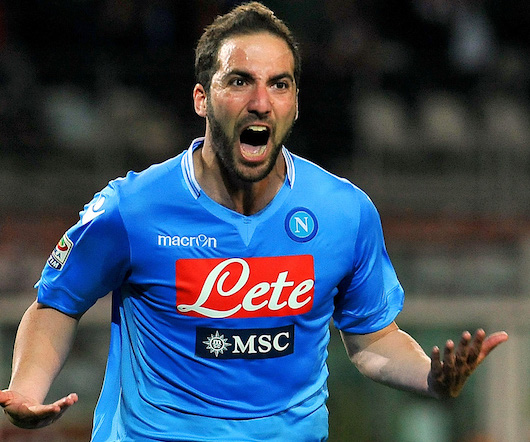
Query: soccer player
<point x="226" y="264"/>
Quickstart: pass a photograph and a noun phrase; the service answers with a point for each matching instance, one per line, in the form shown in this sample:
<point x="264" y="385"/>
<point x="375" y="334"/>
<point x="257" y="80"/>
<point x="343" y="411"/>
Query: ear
<point x="199" y="100"/>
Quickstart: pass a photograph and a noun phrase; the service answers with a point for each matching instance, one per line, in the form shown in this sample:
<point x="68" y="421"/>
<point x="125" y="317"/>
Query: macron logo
<point x="187" y="241"/>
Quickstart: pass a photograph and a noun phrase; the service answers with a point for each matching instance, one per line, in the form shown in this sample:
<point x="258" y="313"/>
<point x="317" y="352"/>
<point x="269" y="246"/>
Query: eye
<point x="238" y="82"/>
<point x="281" y="85"/>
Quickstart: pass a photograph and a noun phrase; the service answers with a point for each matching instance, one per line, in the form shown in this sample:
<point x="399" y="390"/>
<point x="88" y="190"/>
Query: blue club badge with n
<point x="301" y="224"/>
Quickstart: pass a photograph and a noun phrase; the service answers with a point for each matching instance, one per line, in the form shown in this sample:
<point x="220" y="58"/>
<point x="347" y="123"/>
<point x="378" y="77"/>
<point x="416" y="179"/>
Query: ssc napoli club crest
<point x="301" y="224"/>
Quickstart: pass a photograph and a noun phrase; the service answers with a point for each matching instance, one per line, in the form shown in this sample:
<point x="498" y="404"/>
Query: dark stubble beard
<point x="223" y="147"/>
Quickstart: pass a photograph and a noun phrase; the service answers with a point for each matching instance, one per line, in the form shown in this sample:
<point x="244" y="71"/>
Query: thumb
<point x="490" y="343"/>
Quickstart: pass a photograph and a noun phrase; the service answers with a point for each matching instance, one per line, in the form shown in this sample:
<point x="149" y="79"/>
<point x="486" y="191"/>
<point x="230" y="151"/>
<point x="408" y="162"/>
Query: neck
<point x="241" y="196"/>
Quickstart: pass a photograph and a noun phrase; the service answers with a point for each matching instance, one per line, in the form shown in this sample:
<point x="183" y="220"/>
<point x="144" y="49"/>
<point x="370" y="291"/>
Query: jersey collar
<point x="189" y="171"/>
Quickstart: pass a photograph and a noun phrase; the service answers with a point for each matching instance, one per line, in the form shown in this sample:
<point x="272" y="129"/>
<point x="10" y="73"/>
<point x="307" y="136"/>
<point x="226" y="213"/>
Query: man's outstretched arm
<point x="43" y="341"/>
<point x="390" y="356"/>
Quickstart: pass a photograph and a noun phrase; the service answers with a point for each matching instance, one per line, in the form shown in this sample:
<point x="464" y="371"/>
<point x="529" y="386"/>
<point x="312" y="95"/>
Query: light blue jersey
<point x="220" y="320"/>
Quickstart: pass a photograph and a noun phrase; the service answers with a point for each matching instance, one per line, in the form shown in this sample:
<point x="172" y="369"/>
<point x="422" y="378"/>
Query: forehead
<point x="255" y="52"/>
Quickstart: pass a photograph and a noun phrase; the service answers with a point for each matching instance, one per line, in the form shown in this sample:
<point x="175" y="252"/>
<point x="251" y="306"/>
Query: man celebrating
<point x="226" y="264"/>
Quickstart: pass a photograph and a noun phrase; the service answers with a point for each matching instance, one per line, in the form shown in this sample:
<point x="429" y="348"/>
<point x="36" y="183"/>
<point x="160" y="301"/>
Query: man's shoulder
<point x="311" y="176"/>
<point x="155" y="175"/>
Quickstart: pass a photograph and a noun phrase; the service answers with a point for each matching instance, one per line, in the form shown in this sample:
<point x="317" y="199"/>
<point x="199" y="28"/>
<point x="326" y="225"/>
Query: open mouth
<point x="254" y="140"/>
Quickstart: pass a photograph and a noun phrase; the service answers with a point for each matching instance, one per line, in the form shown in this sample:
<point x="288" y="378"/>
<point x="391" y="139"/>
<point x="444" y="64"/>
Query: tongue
<point x="250" y="151"/>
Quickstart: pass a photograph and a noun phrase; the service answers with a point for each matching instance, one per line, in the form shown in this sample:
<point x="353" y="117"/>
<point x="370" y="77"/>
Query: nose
<point x="260" y="100"/>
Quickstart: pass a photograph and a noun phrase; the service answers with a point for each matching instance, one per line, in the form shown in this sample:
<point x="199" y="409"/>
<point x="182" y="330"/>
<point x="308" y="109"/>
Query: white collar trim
<point x="188" y="169"/>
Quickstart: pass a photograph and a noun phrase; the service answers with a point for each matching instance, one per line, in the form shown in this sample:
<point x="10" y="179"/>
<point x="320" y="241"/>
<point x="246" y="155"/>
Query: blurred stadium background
<point x="422" y="103"/>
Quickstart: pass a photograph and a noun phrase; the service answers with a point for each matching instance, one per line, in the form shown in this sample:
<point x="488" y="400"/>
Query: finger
<point x="6" y="398"/>
<point x="56" y="407"/>
<point x="490" y="343"/>
<point x="449" y="357"/>
<point x="42" y="415"/>
<point x="436" y="364"/>
<point x="43" y="411"/>
<point x="475" y="348"/>
<point x="63" y="405"/>
<point x="67" y="401"/>
<point x="463" y="350"/>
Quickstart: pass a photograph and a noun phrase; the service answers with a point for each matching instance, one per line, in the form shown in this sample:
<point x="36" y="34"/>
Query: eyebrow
<point x="249" y="76"/>
<point x="239" y="73"/>
<point x="283" y="75"/>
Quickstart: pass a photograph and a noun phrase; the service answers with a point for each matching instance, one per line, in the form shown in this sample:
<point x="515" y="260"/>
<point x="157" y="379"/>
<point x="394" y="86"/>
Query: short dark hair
<point x="246" y="19"/>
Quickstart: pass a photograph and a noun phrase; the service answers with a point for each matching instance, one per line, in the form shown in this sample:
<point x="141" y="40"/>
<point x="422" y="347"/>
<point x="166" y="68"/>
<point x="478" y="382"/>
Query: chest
<point x="196" y="264"/>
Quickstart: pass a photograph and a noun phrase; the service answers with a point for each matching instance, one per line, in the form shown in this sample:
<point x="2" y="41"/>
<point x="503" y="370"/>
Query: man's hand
<point x="27" y="413"/>
<point x="447" y="378"/>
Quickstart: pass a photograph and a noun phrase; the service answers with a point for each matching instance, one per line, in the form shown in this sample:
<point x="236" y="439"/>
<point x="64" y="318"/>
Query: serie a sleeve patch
<point x="60" y="253"/>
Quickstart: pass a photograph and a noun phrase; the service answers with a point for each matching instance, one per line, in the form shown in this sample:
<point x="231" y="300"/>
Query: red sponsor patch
<point x="245" y="287"/>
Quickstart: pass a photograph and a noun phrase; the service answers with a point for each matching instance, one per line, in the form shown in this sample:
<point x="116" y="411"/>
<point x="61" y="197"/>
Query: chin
<point x="254" y="174"/>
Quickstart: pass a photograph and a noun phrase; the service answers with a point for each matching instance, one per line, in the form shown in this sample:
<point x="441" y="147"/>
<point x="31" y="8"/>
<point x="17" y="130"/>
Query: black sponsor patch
<point x="248" y="343"/>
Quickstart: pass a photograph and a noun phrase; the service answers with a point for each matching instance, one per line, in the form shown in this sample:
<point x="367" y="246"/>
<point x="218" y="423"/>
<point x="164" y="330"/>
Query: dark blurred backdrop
<point x="422" y="103"/>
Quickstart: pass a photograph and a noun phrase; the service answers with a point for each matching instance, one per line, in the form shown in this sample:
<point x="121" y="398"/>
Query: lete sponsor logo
<point x="245" y="287"/>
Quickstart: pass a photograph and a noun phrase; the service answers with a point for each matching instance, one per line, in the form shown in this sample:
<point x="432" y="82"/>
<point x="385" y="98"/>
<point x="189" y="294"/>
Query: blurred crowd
<point x="82" y="80"/>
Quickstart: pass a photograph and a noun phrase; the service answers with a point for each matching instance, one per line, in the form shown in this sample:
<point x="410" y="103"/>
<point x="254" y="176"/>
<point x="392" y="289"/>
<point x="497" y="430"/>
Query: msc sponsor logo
<point x="245" y="287"/>
<point x="244" y="343"/>
<point x="60" y="253"/>
<point x="187" y="241"/>
<point x="301" y="224"/>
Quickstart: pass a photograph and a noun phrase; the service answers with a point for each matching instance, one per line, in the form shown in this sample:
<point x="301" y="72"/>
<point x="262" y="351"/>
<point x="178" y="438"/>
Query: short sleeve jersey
<point x="216" y="313"/>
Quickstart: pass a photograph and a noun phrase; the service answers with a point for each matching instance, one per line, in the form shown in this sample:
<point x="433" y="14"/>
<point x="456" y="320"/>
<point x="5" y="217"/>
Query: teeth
<point x="257" y="128"/>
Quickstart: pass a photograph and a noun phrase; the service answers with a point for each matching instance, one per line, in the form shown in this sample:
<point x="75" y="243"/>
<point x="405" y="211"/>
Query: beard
<point x="223" y="145"/>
